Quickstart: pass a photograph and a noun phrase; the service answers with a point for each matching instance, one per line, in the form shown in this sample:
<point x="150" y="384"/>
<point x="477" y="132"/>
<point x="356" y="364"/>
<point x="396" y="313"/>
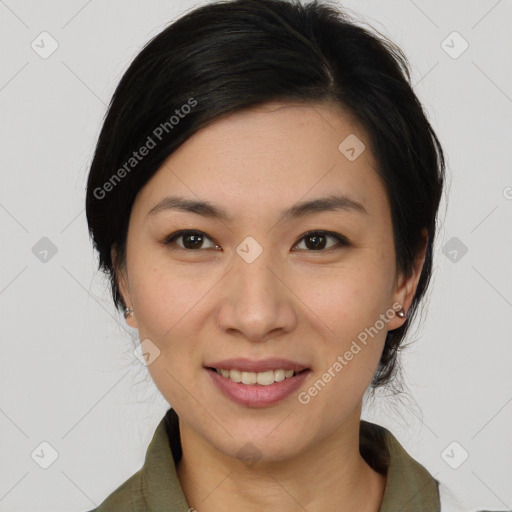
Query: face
<point x="256" y="283"/>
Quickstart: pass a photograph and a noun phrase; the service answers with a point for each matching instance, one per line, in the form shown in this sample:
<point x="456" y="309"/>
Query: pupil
<point x="316" y="244"/>
<point x="197" y="243"/>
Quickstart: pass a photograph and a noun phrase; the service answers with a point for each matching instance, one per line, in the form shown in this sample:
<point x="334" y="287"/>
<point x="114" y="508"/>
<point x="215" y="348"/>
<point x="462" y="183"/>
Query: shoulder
<point x="155" y="486"/>
<point x="410" y="486"/>
<point x="128" y="497"/>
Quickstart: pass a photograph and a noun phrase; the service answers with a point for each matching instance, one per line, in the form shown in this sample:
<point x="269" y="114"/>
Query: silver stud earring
<point x="128" y="312"/>
<point x="402" y="313"/>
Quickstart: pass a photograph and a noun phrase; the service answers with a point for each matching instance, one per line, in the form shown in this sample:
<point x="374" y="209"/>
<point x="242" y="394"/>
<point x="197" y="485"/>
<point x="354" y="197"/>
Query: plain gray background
<point x="68" y="375"/>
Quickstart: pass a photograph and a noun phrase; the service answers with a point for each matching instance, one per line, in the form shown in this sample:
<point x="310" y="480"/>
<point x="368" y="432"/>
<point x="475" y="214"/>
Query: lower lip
<point x="256" y="395"/>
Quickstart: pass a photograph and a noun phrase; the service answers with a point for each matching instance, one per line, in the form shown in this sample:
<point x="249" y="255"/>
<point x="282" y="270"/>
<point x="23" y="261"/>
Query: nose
<point x="257" y="301"/>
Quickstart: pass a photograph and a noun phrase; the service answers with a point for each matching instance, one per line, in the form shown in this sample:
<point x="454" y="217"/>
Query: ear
<point x="406" y="287"/>
<point x="123" y="285"/>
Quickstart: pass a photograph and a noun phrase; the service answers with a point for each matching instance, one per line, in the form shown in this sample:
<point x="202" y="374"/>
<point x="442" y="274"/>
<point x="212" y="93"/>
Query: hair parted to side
<point x="227" y="56"/>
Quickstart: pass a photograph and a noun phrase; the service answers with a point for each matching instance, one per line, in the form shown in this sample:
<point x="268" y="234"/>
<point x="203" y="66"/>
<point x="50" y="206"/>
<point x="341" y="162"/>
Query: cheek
<point x="345" y="308"/>
<point x="164" y="292"/>
<point x="346" y="299"/>
<point x="166" y="315"/>
<point x="167" y="303"/>
<point x="156" y="302"/>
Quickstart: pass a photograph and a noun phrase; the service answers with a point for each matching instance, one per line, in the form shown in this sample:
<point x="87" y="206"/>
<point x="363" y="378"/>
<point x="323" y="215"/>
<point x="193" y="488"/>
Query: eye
<point x="192" y="239"/>
<point x="315" y="240"/>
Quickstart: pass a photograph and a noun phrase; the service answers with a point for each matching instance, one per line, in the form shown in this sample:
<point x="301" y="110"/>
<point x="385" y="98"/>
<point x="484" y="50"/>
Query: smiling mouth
<point x="265" y="378"/>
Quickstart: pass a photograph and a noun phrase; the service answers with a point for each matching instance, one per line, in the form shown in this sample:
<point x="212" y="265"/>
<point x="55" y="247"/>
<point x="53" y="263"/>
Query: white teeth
<point x="280" y="375"/>
<point x="249" y="377"/>
<point x="262" y="378"/>
<point x="234" y="375"/>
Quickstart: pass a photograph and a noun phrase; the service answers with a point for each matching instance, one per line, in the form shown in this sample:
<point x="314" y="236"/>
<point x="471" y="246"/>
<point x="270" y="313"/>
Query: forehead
<point x="274" y="153"/>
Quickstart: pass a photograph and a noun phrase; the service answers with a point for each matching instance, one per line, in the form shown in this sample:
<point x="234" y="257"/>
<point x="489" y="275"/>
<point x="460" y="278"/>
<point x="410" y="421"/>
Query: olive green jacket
<point x="156" y="488"/>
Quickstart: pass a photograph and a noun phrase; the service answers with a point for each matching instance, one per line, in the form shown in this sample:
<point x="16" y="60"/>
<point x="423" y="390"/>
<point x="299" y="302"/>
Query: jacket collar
<point x="409" y="486"/>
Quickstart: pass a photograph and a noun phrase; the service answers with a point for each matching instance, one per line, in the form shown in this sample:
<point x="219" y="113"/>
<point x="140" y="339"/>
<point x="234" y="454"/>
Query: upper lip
<point x="262" y="365"/>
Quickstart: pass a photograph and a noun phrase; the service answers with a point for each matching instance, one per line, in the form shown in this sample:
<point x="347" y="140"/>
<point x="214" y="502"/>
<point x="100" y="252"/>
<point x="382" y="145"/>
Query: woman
<point x="264" y="195"/>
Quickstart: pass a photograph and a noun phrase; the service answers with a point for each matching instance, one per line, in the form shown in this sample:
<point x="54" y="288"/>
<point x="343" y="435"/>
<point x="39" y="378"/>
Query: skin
<point x="206" y="304"/>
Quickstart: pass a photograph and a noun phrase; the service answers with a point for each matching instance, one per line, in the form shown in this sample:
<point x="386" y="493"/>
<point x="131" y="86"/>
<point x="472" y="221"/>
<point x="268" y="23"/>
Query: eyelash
<point x="342" y="240"/>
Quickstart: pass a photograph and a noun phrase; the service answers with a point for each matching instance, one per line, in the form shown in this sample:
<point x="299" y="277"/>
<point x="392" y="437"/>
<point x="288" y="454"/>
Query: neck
<point x="329" y="475"/>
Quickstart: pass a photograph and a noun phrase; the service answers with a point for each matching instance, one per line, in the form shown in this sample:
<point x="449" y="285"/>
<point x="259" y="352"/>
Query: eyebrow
<point x="333" y="202"/>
